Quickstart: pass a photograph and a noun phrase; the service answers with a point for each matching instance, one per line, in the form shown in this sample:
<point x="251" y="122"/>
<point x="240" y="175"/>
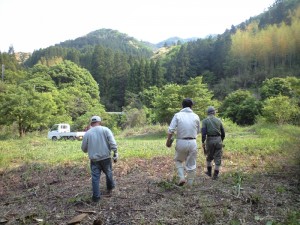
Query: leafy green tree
<point x="276" y="86"/>
<point x="82" y="122"/>
<point x="148" y="75"/>
<point x="241" y="107"/>
<point x="168" y="100"/>
<point x="9" y="61"/>
<point x="73" y="55"/>
<point x="76" y="101"/>
<point x="68" y="74"/>
<point x="183" y="65"/>
<point x="295" y="85"/>
<point x="77" y="88"/>
<point x="133" y="78"/>
<point x="148" y="95"/>
<point x="29" y="109"/>
<point x="157" y="73"/>
<point x="199" y="93"/>
<point x="39" y="79"/>
<point x="141" y="76"/>
<point x="134" y="112"/>
<point x="14" y="77"/>
<point x="61" y="115"/>
<point x="167" y="103"/>
<point x="280" y="109"/>
<point x="209" y="78"/>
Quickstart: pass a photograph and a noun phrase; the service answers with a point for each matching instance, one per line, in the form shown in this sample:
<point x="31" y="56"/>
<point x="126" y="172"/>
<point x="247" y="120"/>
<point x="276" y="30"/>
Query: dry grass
<point x="147" y="193"/>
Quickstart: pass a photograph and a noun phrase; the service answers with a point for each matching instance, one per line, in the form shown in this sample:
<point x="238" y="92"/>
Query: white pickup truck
<point x="62" y="131"/>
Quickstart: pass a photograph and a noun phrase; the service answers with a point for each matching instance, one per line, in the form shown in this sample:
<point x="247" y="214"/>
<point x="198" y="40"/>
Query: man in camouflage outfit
<point x="213" y="133"/>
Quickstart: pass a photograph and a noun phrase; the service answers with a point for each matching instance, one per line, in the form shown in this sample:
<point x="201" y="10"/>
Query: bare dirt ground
<point x="146" y="193"/>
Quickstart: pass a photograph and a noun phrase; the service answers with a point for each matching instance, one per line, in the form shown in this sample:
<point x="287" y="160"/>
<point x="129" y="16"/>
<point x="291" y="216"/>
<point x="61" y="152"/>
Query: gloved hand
<point x="115" y="157"/>
<point x="169" y="142"/>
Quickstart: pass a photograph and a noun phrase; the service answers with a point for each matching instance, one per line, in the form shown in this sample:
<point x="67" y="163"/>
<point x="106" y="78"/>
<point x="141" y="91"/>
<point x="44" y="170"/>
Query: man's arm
<point x="84" y="144"/>
<point x="111" y="141"/>
<point x="169" y="140"/>
<point x="222" y="132"/>
<point x="198" y="126"/>
<point x="204" y="132"/>
<point x="112" y="144"/>
<point x="171" y="130"/>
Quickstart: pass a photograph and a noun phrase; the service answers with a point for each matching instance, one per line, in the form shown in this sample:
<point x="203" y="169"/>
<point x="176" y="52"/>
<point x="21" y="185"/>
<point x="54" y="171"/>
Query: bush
<point x="280" y="110"/>
<point x="241" y="107"/>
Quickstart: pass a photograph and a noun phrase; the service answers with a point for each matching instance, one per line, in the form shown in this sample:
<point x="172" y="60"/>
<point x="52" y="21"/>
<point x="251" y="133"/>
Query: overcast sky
<point x="29" y="25"/>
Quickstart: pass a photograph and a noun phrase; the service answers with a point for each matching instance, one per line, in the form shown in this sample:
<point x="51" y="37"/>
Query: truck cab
<point x="61" y="127"/>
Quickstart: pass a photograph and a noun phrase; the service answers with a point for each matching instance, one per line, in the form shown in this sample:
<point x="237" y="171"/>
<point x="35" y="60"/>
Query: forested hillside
<point x="133" y="75"/>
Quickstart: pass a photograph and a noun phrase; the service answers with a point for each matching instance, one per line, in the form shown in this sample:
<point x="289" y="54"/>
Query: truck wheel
<point x="72" y="138"/>
<point x="54" y="138"/>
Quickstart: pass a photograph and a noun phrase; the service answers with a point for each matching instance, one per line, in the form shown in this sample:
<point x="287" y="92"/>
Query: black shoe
<point x="95" y="199"/>
<point x="216" y="175"/>
<point x="109" y="193"/>
<point x="208" y="172"/>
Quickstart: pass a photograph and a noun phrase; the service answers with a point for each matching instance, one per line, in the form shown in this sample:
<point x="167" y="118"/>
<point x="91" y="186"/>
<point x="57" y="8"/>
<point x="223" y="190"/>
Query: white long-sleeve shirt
<point x="98" y="142"/>
<point x="187" y="124"/>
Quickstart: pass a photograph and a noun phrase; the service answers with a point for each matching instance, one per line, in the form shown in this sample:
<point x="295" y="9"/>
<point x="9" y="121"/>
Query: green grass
<point x="141" y="148"/>
<point x="263" y="139"/>
<point x="149" y="141"/>
<point x="38" y="149"/>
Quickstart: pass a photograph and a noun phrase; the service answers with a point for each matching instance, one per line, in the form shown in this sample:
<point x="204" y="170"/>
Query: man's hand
<point x="204" y="149"/>
<point x="169" y="142"/>
<point x="115" y="157"/>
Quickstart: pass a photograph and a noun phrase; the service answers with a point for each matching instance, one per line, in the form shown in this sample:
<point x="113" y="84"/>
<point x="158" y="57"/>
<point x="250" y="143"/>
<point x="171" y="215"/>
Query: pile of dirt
<point x="146" y="193"/>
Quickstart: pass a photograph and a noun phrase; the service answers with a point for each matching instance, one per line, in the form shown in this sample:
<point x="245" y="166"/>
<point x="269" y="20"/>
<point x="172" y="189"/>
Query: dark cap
<point x="211" y="110"/>
<point x="187" y="102"/>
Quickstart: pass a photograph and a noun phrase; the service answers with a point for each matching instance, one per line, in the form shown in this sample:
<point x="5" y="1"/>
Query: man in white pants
<point x="187" y="125"/>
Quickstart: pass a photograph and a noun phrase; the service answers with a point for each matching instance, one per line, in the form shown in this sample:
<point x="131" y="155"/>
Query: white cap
<point x="95" y="119"/>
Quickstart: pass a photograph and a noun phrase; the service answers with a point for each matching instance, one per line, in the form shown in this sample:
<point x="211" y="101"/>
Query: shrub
<point x="280" y="110"/>
<point x="241" y="107"/>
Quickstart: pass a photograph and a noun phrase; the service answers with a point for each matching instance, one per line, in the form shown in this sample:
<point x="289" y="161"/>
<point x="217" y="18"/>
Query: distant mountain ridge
<point x="110" y="39"/>
<point x="114" y="39"/>
<point x="174" y="41"/>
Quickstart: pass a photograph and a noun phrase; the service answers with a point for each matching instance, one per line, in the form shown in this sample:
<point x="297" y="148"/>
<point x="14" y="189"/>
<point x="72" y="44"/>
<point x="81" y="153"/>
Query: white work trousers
<point x="186" y="151"/>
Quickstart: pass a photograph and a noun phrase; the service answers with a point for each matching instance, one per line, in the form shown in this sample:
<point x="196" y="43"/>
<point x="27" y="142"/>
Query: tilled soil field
<point x="146" y="193"/>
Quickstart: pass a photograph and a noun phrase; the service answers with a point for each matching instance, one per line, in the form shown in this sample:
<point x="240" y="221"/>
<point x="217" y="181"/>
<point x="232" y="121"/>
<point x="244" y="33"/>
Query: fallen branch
<point x="86" y="211"/>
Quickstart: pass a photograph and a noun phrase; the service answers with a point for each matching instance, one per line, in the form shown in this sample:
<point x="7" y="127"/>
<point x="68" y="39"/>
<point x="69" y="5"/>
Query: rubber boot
<point x="216" y="175"/>
<point x="208" y="172"/>
<point x="190" y="177"/>
<point x="180" y="171"/>
<point x="182" y="180"/>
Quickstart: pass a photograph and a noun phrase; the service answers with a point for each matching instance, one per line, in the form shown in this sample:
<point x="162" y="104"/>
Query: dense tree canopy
<point x="46" y="95"/>
<point x="29" y="109"/>
<point x="246" y="66"/>
<point x="276" y="86"/>
<point x="169" y="100"/>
